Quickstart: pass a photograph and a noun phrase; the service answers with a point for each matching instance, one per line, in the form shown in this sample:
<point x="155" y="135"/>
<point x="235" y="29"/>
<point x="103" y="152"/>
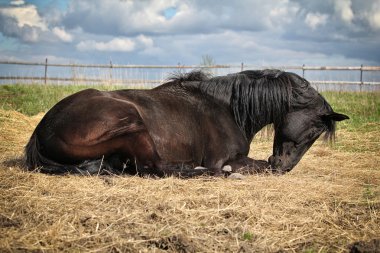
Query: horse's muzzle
<point x="275" y="162"/>
<point x="276" y="165"/>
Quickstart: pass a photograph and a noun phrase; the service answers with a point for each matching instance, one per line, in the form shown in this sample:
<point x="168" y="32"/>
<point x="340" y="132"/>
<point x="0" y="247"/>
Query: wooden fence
<point x="301" y="69"/>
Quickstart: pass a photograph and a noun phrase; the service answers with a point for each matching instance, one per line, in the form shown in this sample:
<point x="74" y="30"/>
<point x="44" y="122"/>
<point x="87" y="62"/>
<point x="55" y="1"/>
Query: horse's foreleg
<point x="246" y="165"/>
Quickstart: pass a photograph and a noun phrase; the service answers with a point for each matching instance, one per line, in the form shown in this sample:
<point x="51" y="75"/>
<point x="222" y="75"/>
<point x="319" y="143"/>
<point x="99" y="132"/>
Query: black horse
<point x="191" y="125"/>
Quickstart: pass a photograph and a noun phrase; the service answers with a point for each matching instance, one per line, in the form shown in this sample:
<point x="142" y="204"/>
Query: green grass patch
<point x="247" y="236"/>
<point x="371" y="192"/>
<point x="363" y="108"/>
<point x="32" y="99"/>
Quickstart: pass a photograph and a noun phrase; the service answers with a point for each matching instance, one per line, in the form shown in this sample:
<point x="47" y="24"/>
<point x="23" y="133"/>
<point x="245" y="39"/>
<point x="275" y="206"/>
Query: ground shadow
<point x="14" y="162"/>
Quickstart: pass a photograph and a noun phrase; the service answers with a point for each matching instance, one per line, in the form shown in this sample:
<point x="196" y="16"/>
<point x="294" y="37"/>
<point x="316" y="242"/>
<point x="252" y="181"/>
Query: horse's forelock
<point x="330" y="124"/>
<point x="330" y="131"/>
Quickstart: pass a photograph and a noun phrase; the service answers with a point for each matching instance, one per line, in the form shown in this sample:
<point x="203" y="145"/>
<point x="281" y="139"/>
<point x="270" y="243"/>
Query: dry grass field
<point x="328" y="202"/>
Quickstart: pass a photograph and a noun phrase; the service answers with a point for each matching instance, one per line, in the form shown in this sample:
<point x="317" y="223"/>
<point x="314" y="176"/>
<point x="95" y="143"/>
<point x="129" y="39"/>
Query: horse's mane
<point x="259" y="97"/>
<point x="189" y="77"/>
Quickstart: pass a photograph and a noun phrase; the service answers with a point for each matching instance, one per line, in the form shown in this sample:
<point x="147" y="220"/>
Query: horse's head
<point x="297" y="132"/>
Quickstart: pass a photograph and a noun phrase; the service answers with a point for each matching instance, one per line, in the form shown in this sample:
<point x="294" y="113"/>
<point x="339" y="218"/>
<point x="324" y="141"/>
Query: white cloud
<point x="62" y="34"/>
<point x="17" y="2"/>
<point x="373" y="16"/>
<point x="343" y="9"/>
<point x="148" y="17"/>
<point x="22" y="21"/>
<point x="121" y="44"/>
<point x="313" y="20"/>
<point x="117" y="44"/>
<point x="119" y="17"/>
<point x="253" y="31"/>
<point x="25" y="16"/>
<point x="145" y="40"/>
<point x="374" y="20"/>
<point x="282" y="13"/>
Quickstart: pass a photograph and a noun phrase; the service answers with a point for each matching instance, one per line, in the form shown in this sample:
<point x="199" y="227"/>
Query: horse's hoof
<point x="236" y="176"/>
<point x="227" y="168"/>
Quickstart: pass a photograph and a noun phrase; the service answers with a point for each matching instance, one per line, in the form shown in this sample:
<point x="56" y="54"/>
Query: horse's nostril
<point x="275" y="161"/>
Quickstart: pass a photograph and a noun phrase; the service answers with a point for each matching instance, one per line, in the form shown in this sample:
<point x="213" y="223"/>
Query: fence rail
<point x="302" y="69"/>
<point x="93" y="80"/>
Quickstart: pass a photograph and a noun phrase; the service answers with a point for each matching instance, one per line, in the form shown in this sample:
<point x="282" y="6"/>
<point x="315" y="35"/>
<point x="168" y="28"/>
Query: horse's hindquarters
<point x="74" y="131"/>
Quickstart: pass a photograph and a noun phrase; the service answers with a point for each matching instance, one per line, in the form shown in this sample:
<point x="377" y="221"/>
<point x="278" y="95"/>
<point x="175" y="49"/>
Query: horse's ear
<point x="335" y="116"/>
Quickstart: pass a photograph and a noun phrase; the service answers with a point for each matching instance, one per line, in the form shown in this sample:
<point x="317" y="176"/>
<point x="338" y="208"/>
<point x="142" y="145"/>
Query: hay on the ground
<point x="329" y="201"/>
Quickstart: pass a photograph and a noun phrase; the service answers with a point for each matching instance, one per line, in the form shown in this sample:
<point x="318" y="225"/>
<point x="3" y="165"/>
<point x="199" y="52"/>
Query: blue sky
<point x="256" y="32"/>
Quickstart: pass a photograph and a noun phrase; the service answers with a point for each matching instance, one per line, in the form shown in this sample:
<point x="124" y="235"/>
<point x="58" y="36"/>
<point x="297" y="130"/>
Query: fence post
<point x="303" y="70"/>
<point x="111" y="71"/>
<point x="361" y="76"/>
<point x="179" y="67"/>
<point x="242" y="66"/>
<point x="46" y="65"/>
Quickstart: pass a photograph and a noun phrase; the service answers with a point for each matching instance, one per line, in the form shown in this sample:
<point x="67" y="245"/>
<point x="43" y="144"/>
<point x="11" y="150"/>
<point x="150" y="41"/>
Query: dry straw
<point x="330" y="200"/>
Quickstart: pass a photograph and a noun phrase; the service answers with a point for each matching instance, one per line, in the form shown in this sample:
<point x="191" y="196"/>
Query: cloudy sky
<point x="257" y="32"/>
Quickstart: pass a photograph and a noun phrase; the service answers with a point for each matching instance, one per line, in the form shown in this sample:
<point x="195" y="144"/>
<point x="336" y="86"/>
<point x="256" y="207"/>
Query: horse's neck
<point x="257" y="129"/>
<point x="223" y="95"/>
<point x="217" y="91"/>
